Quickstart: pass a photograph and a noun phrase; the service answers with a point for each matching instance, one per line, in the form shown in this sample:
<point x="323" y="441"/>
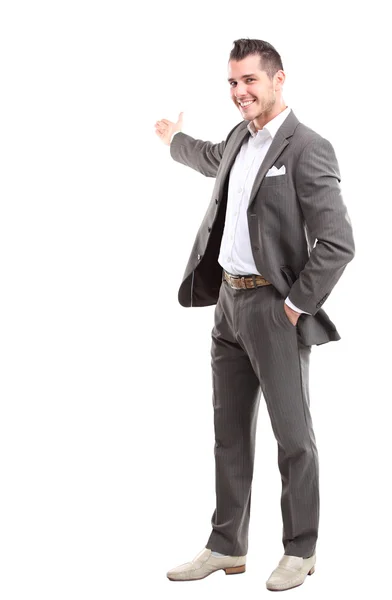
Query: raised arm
<point x="204" y="157"/>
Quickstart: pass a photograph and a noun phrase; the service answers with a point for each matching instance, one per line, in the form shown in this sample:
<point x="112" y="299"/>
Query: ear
<point x="279" y="79"/>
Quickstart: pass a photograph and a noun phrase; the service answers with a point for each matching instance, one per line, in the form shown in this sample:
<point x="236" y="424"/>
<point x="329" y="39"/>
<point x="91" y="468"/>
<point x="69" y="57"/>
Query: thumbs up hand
<point x="165" y="128"/>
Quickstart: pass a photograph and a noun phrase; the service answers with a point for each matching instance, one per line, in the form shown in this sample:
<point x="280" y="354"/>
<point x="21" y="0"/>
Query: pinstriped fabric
<point x="297" y="221"/>
<point x="256" y="349"/>
<point x="301" y="241"/>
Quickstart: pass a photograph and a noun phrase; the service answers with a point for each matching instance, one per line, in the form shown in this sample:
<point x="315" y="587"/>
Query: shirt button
<point x="229" y="259"/>
<point x="240" y="190"/>
<point x="235" y="214"/>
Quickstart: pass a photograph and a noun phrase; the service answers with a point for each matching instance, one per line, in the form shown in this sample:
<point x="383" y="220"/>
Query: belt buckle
<point x="230" y="280"/>
<point x="243" y="284"/>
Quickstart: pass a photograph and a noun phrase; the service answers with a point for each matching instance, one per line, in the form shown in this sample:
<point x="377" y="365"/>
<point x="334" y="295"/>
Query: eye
<point x="235" y="83"/>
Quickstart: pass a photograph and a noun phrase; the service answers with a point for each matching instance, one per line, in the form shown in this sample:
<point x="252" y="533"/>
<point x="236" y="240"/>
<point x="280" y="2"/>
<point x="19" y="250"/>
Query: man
<point x="275" y="240"/>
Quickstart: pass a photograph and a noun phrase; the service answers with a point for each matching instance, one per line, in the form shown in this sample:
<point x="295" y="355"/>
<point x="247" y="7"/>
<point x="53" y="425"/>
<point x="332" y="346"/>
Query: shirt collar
<point x="271" y="127"/>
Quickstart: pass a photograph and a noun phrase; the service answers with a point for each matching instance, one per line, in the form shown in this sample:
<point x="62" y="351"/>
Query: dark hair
<point x="270" y="60"/>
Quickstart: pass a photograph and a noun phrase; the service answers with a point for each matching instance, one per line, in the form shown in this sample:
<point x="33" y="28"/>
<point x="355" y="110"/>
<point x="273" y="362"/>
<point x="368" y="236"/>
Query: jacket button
<point x="216" y="200"/>
<point x="209" y="229"/>
<point x="199" y="256"/>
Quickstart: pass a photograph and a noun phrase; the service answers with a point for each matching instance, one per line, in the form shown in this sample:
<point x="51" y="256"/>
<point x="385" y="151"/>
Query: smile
<point x="246" y="104"/>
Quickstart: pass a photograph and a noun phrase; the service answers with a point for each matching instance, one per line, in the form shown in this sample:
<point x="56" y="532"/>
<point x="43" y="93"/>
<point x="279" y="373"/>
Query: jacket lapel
<point x="279" y="143"/>
<point x="233" y="148"/>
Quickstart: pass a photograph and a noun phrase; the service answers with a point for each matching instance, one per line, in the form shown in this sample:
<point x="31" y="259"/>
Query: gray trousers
<point x="255" y="348"/>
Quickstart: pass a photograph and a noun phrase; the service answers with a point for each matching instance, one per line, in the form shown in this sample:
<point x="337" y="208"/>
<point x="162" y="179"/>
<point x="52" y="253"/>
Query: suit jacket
<point x="287" y="215"/>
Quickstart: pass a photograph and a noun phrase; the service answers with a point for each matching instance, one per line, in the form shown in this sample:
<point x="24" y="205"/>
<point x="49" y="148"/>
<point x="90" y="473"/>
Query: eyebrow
<point x="243" y="77"/>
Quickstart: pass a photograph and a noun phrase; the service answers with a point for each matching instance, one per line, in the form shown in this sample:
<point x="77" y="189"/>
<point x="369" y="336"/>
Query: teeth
<point x="246" y="103"/>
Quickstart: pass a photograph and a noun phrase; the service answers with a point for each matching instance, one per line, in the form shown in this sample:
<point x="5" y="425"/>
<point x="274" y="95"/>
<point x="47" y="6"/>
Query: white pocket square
<point x="274" y="171"/>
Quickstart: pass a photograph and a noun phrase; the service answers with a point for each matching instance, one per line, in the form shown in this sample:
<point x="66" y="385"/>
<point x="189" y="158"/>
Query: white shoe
<point x="204" y="564"/>
<point x="291" y="572"/>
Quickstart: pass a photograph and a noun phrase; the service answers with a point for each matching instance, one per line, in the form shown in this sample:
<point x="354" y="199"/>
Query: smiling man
<point x="275" y="240"/>
<point x="257" y="94"/>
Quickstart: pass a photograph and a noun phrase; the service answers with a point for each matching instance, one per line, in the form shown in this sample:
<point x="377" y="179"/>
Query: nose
<point x="240" y="90"/>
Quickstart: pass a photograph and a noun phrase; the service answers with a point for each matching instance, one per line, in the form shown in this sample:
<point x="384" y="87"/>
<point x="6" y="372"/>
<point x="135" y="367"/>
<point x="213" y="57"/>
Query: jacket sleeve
<point x="326" y="220"/>
<point x="204" y="157"/>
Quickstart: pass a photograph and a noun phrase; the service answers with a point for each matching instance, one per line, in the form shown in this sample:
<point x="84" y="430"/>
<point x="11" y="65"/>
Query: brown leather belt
<point x="244" y="282"/>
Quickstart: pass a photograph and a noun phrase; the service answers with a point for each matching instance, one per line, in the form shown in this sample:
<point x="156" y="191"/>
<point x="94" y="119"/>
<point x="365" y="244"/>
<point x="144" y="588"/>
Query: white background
<point x="106" y="429"/>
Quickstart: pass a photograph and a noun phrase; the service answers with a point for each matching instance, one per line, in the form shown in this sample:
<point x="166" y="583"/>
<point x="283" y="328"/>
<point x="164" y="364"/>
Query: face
<point x="257" y="88"/>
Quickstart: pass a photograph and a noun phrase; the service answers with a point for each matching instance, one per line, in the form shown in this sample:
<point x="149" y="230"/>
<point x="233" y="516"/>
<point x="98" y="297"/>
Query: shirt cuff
<point x="291" y="305"/>
<point x="173" y="136"/>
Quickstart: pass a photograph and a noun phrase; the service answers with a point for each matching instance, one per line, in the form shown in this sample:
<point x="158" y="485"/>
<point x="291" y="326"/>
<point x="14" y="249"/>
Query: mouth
<point x="245" y="105"/>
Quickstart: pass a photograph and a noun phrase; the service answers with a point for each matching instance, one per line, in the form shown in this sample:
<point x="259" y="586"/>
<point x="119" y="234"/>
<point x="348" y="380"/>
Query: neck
<point x="265" y="118"/>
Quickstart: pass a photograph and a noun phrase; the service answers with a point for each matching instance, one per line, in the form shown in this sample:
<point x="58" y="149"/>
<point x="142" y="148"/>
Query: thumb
<point x="180" y="119"/>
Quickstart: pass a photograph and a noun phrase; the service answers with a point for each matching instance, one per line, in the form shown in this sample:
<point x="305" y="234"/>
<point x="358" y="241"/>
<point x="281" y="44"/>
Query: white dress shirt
<point x="235" y="251"/>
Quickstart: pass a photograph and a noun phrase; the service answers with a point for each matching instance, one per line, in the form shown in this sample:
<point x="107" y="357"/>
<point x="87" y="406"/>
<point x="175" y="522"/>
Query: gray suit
<point x="286" y="214"/>
<point x="254" y="345"/>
